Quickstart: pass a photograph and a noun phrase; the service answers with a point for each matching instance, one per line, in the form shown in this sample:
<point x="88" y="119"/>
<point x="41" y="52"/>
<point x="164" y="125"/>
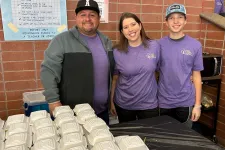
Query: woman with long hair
<point x="134" y="86"/>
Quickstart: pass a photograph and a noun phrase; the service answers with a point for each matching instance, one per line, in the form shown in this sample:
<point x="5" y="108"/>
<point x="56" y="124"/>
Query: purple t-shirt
<point x="101" y="71"/>
<point x="136" y="88"/>
<point x="219" y="6"/>
<point x="178" y="59"/>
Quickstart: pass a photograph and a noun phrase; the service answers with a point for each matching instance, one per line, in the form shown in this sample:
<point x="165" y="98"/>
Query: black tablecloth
<point x="164" y="133"/>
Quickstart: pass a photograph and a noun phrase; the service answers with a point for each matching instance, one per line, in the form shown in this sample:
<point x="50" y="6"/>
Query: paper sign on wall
<point x="33" y="19"/>
<point x="104" y="10"/>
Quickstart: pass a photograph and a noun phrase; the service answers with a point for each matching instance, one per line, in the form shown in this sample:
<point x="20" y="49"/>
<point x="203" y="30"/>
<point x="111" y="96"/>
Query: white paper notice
<point x="104" y="10"/>
<point x="33" y="19"/>
<point x="36" y="13"/>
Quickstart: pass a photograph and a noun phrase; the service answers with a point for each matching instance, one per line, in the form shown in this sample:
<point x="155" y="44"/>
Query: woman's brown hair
<point x="123" y="43"/>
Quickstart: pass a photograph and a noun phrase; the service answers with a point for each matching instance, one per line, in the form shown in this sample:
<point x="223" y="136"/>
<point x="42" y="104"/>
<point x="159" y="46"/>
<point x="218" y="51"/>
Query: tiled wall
<point x="20" y="60"/>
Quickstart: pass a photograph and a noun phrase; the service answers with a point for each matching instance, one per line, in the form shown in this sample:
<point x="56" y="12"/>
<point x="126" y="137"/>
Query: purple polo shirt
<point x="101" y="71"/>
<point x="136" y="88"/>
<point x="178" y="59"/>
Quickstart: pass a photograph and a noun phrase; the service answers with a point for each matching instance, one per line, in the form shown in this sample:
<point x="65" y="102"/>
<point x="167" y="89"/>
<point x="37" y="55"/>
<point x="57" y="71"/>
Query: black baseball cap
<point x="87" y="4"/>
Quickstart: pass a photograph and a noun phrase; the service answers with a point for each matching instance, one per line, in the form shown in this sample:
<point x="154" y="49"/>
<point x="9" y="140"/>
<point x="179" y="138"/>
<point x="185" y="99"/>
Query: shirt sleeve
<point x="116" y="70"/>
<point x="51" y="69"/>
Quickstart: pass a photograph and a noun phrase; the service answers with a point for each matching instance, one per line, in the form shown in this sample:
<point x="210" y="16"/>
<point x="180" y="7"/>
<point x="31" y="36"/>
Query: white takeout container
<point x="70" y="127"/>
<point x="36" y="115"/>
<point x="41" y="123"/>
<point x="46" y="144"/>
<point x="99" y="135"/>
<point x="64" y="118"/>
<point x="19" y="147"/>
<point x="2" y="122"/>
<point x="96" y="123"/>
<point x="19" y="139"/>
<point x="2" y="135"/>
<point x="45" y="133"/>
<point x="119" y="138"/>
<point x="2" y="145"/>
<point x="20" y="118"/>
<point x="72" y="140"/>
<point x="106" y="145"/>
<point x="132" y="143"/>
<point x="82" y="107"/>
<point x="78" y="148"/>
<point x="62" y="109"/>
<point x="17" y="128"/>
<point x="85" y="115"/>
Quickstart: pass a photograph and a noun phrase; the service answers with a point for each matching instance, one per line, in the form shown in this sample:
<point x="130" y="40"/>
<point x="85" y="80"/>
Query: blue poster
<point x="33" y="19"/>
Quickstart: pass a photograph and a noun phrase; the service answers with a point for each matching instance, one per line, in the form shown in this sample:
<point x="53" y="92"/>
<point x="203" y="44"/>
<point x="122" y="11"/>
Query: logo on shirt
<point x="186" y="52"/>
<point x="219" y="3"/>
<point x="150" y="55"/>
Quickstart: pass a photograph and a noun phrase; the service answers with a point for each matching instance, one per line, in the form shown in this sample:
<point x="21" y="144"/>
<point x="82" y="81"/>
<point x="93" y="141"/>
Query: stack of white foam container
<point x="67" y="132"/>
<point x="17" y="132"/>
<point x="45" y="135"/>
<point x="98" y="134"/>
<point x="71" y="133"/>
<point x="95" y="129"/>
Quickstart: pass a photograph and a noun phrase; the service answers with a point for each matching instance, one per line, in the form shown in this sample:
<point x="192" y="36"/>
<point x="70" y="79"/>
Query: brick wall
<point x="20" y="60"/>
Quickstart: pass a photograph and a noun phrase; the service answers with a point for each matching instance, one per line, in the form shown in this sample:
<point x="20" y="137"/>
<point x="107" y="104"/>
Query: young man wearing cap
<point x="77" y="64"/>
<point x="181" y="58"/>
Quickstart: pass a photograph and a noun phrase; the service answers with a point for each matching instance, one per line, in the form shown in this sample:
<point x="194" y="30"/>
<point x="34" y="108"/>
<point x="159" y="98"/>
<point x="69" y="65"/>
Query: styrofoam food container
<point x="96" y="123"/>
<point x="41" y="123"/>
<point x="36" y="115"/>
<point x="119" y="138"/>
<point x="2" y="135"/>
<point x="19" y="139"/>
<point x="17" y="128"/>
<point x="99" y="135"/>
<point x="2" y="122"/>
<point x="72" y="140"/>
<point x="46" y="144"/>
<point x="45" y="133"/>
<point x="106" y="145"/>
<point x="85" y="115"/>
<point x="82" y="107"/>
<point x="70" y="127"/>
<point x="78" y="148"/>
<point x="16" y="119"/>
<point x="132" y="143"/>
<point x="64" y="118"/>
<point x="19" y="147"/>
<point x="62" y="109"/>
<point x="2" y="145"/>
